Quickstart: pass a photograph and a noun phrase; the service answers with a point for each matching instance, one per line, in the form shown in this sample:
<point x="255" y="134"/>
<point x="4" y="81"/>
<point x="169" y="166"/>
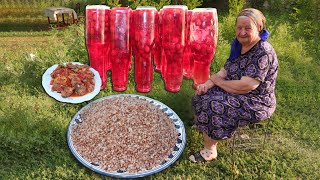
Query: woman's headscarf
<point x="259" y="20"/>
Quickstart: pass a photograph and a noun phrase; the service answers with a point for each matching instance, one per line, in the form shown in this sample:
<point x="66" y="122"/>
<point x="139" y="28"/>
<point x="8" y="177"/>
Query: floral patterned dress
<point x="219" y="112"/>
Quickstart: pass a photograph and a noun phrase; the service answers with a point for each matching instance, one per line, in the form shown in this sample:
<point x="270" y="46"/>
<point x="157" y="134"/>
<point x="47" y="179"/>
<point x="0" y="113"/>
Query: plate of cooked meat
<point x="71" y="82"/>
<point x="126" y="136"/>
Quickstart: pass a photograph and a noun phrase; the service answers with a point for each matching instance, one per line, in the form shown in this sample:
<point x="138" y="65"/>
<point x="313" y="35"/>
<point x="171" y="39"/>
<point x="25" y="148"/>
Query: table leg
<point x="57" y="21"/>
<point x="63" y="19"/>
<point x="73" y="20"/>
<point x="48" y="20"/>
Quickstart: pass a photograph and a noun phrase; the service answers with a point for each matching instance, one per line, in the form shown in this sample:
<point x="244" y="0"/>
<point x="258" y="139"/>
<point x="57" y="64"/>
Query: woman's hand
<point x="203" y="88"/>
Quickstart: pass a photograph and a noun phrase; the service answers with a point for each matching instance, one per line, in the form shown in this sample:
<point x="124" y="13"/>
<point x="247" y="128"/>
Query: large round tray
<point x="177" y="149"/>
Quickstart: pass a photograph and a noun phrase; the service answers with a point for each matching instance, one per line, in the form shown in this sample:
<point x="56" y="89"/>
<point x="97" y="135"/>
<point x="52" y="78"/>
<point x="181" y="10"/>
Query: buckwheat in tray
<point x="126" y="136"/>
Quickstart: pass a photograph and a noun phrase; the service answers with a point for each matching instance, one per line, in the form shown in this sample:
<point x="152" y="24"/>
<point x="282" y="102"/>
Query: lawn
<point x="33" y="126"/>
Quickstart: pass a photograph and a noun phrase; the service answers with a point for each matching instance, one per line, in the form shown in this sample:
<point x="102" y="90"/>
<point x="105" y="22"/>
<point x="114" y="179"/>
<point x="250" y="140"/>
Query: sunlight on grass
<point x="33" y="125"/>
<point x="296" y="153"/>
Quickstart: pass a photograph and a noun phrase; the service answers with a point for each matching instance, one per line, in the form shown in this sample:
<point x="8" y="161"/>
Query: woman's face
<point x="246" y="31"/>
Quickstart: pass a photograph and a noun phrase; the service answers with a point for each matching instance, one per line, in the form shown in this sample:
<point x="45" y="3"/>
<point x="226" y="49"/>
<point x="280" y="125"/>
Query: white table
<point x="55" y="12"/>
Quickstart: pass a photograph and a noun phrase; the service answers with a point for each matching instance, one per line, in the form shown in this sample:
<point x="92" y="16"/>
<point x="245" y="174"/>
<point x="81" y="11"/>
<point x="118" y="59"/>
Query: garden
<point x="33" y="126"/>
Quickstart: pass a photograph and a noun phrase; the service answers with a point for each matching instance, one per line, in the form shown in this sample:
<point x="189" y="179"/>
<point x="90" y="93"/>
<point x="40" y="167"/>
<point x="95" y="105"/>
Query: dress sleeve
<point x="258" y="68"/>
<point x="226" y="65"/>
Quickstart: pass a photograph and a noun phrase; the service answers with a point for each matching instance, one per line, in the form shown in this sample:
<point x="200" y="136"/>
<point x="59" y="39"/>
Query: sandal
<point x="197" y="157"/>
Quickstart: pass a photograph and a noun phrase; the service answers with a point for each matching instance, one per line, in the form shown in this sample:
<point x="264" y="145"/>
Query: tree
<point x="160" y="3"/>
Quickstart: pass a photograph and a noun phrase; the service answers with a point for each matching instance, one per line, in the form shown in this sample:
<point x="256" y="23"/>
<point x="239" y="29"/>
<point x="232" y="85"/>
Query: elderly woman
<point x="243" y="91"/>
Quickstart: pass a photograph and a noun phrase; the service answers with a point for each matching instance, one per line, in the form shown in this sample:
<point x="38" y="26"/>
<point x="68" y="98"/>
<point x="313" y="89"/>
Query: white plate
<point x="46" y="79"/>
<point x="176" y="150"/>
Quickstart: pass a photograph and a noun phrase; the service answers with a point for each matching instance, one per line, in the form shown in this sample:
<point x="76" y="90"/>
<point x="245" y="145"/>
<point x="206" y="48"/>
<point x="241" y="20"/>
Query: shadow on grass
<point x="6" y="77"/>
<point x="179" y="102"/>
<point x="34" y="156"/>
<point x="31" y="77"/>
<point x="9" y="27"/>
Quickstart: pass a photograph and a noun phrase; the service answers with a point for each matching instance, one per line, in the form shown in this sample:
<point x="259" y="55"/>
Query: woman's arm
<point x="203" y="88"/>
<point x="242" y="86"/>
<point x="222" y="73"/>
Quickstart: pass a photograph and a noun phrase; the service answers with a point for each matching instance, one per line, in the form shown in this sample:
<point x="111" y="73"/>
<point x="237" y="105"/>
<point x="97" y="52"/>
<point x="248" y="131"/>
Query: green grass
<point x="33" y="125"/>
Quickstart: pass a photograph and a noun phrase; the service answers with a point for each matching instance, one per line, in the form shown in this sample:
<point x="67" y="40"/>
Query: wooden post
<point x="57" y="20"/>
<point x="63" y="19"/>
<point x="73" y="20"/>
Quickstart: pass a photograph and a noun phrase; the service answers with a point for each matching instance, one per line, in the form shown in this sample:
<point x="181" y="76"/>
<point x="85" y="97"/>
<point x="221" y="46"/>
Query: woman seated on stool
<point x="243" y="90"/>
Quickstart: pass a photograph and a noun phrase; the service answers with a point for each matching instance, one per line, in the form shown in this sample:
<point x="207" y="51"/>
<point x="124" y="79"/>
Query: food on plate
<point x="72" y="80"/>
<point x="124" y="134"/>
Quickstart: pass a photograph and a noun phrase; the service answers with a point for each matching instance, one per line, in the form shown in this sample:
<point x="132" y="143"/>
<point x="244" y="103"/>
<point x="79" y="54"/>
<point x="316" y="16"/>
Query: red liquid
<point x="142" y="45"/>
<point x="95" y="41"/>
<point x="173" y="77"/>
<point x="187" y="63"/>
<point x="203" y="40"/>
<point x="157" y="57"/>
<point x="157" y="47"/>
<point x="120" y="53"/>
<point x="163" y="62"/>
<point x="173" y="43"/>
<point x="107" y="37"/>
<point x="187" y="56"/>
<point x="200" y="78"/>
<point x="131" y="38"/>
